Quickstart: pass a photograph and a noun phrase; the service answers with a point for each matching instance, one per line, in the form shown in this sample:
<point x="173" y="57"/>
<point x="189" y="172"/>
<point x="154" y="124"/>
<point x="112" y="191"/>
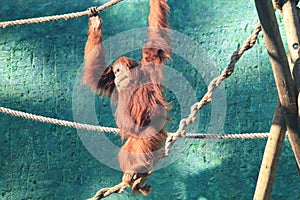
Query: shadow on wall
<point x="236" y="176"/>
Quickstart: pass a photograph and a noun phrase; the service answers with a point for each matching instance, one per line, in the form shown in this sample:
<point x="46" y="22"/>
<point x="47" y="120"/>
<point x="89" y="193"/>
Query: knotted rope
<point x="58" y="17"/>
<point x="105" y="192"/>
<point x="214" y="84"/>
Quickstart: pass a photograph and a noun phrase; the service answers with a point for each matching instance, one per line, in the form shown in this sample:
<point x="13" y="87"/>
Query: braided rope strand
<point x="105" y="192"/>
<point x="57" y="121"/>
<point x="228" y="136"/>
<point x="117" y="131"/>
<point x="214" y="84"/>
<point x="57" y="17"/>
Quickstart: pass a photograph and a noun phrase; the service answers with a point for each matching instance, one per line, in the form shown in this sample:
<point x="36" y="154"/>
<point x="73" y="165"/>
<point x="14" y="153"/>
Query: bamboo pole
<point x="292" y="29"/>
<point x="285" y="88"/>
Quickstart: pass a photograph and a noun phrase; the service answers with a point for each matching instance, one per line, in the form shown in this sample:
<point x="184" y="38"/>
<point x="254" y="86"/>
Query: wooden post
<point x="285" y="88"/>
<point x="271" y="156"/>
<point x="292" y="29"/>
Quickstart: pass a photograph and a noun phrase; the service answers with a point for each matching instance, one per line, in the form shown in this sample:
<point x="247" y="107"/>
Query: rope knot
<point x="194" y="108"/>
<point x="183" y="124"/>
<point x="170" y="138"/>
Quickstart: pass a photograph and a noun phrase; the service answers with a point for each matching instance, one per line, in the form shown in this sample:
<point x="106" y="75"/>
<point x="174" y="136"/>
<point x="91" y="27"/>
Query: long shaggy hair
<point x="141" y="108"/>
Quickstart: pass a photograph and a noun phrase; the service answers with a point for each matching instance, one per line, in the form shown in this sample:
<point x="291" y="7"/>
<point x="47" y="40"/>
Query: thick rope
<point x="214" y="84"/>
<point x="89" y="127"/>
<point x="228" y="136"/>
<point x="105" y="192"/>
<point x="58" y="17"/>
<point x="57" y="121"/>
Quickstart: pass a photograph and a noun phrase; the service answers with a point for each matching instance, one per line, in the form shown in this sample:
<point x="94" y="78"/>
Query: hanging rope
<point x="58" y="17"/>
<point x="214" y="84"/>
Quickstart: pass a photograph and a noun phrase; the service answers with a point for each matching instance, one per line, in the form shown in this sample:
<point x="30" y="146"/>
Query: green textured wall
<point x="38" y="69"/>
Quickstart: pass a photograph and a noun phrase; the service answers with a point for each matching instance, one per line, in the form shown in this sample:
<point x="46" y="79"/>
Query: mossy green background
<point x="38" y="67"/>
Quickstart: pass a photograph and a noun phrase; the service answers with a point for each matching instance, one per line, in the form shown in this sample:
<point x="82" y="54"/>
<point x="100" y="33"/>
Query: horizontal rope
<point x="228" y="136"/>
<point x="57" y="17"/>
<point x="57" y="121"/>
<point x="89" y="127"/>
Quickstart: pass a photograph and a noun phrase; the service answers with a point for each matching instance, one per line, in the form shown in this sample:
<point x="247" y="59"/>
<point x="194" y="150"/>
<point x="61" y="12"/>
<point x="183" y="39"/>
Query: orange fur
<point x="141" y="111"/>
<point x="94" y="54"/>
<point x="158" y="48"/>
